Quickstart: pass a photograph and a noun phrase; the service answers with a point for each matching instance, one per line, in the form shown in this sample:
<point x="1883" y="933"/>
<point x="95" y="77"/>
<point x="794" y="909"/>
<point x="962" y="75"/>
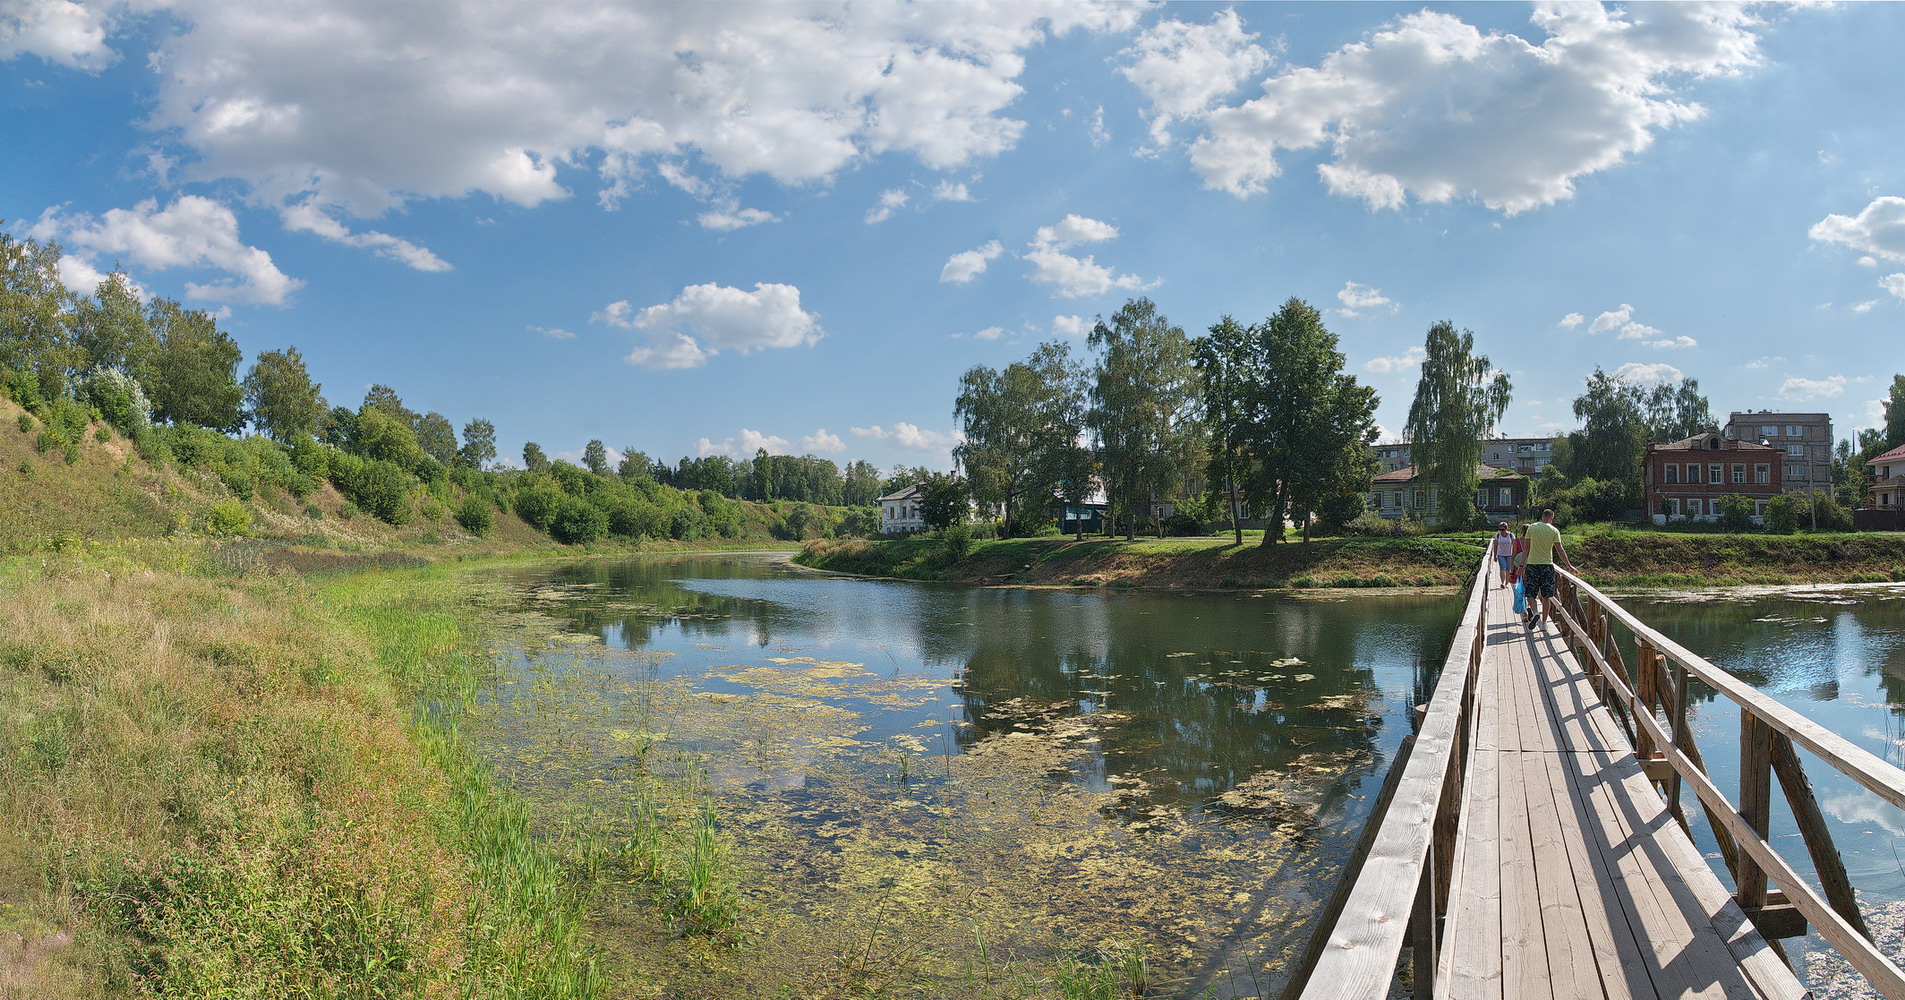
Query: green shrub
<point x="432" y="509"/>
<point x="227" y="517"/>
<point x="577" y="521"/>
<point x="235" y="478"/>
<point x="1736" y="513"/>
<point x="537" y="505"/>
<point x="957" y="541"/>
<point x="1369" y="523"/>
<point x="1780" y="515"/>
<point x="313" y="511"/>
<point x="347" y="510"/>
<point x="476" y="515"/>
<point x="47" y="441"/>
<point x="118" y="397"/>
<point x="103" y="434"/>
<point x="26" y="422"/>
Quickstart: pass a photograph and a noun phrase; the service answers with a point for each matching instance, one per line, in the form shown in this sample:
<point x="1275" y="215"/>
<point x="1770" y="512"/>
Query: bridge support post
<point x="1756" y="799"/>
<point x="1818" y="836"/>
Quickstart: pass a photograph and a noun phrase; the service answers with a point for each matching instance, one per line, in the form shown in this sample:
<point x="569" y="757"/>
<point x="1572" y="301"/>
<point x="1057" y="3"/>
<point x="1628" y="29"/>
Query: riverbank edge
<point x="1632" y="561"/>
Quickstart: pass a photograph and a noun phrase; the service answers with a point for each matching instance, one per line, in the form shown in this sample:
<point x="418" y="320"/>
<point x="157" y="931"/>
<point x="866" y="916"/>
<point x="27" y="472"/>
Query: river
<point x="967" y="792"/>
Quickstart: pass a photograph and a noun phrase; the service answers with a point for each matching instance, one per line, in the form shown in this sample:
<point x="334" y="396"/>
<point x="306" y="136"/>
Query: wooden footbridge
<point x="1534" y="843"/>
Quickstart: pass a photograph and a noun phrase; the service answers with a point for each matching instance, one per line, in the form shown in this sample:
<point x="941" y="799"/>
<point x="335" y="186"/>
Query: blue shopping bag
<point x="1521" y="601"/>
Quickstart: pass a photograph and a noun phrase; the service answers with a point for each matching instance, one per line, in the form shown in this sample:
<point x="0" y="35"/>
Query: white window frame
<point x="1793" y="430"/>
<point x="1716" y="474"/>
<point x="1770" y="432"/>
<point x="1672" y="477"/>
<point x="1762" y="474"/>
<point x="1739" y="474"/>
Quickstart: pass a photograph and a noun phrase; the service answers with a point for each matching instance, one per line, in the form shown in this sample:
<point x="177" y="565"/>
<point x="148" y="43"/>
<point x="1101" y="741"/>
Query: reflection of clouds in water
<point x="1857" y="808"/>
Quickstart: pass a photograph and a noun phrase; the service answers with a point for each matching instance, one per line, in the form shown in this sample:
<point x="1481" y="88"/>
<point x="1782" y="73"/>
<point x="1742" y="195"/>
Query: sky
<point x="713" y="228"/>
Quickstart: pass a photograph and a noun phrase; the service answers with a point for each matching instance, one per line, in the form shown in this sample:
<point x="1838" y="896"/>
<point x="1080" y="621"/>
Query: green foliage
<point x="1369" y="524"/>
<point x="25" y="422"/>
<point x="1781" y="515"/>
<point x="1736" y="513"/>
<point x="1459" y="399"/>
<point x="595" y="458"/>
<point x="859" y="522"/>
<point x="379" y="487"/>
<point x="227" y="518"/>
<point x="577" y="521"/>
<point x="35" y="346"/>
<point x="1588" y="500"/>
<point x="119" y="399"/>
<point x="957" y="541"/>
<point x="476" y="515"/>
<point x="533" y="458"/>
<point x="479" y="444"/>
<point x="1021" y="429"/>
<point x="436" y="437"/>
<point x="942" y="501"/>
<point x="1144" y="411"/>
<point x="537" y="504"/>
<point x="380" y="437"/>
<point x="1895" y="414"/>
<point x="1820" y="512"/>
<point x="283" y="400"/>
<point x="194" y="378"/>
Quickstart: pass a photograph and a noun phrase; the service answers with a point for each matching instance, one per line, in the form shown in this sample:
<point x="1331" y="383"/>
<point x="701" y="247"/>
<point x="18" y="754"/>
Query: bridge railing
<point x="1402" y="887"/>
<point x="1652" y="693"/>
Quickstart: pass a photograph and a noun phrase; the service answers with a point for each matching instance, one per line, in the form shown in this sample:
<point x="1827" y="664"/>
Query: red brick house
<point x="1686" y="479"/>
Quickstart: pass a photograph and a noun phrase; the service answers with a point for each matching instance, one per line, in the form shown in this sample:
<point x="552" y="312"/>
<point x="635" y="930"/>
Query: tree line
<point x="169" y="378"/>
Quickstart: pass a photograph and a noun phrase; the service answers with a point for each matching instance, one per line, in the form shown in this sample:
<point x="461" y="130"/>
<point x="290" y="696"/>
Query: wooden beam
<point x="1756" y="800"/>
<point x="1818" y="836"/>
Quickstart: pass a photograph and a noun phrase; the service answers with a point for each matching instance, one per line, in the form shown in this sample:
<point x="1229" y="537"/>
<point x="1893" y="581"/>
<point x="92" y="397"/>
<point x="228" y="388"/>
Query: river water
<point x="955" y="790"/>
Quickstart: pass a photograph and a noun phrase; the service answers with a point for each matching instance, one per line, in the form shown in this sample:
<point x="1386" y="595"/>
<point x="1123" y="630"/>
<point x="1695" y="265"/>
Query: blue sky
<point x="716" y="227"/>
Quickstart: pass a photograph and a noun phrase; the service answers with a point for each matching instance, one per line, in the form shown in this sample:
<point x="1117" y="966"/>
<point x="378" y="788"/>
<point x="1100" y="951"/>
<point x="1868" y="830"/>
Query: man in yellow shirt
<point x="1544" y="549"/>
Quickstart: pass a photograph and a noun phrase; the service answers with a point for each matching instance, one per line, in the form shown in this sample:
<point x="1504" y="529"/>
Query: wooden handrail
<point x="1359" y="960"/>
<point x="1766" y="724"/>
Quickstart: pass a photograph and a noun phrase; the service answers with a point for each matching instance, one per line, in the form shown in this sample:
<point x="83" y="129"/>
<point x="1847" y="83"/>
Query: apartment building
<point x="1804" y="441"/>
<point x="1526" y="455"/>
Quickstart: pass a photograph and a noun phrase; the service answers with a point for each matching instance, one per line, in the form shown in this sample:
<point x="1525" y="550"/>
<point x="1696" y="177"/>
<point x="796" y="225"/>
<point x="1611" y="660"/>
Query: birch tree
<point x="1459" y="398"/>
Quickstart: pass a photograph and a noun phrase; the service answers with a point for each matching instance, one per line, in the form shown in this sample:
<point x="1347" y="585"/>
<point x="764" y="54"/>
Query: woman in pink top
<point x="1503" y="549"/>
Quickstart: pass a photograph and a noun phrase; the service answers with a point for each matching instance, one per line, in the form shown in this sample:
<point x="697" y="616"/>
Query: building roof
<point x="1895" y="455"/>
<point x="1407" y="473"/>
<point x="1703" y="442"/>
<point x="903" y="493"/>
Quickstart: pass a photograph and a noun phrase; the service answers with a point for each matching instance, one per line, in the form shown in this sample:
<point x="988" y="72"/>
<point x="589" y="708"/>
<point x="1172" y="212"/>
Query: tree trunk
<point x="1236" y="527"/>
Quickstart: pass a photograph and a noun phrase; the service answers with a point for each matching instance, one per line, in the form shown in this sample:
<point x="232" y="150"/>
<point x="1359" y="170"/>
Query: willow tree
<point x="1459" y="398"/>
<point x="1144" y="407"/>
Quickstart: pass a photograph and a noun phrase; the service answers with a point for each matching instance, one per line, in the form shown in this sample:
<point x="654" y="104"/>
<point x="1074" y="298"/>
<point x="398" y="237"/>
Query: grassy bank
<point x="218" y="786"/>
<point x="1607" y="556"/>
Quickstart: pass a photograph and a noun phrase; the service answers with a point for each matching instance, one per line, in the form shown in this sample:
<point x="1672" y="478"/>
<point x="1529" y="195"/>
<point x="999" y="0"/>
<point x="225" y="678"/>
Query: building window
<point x="1673" y="474"/>
<point x="1768" y="431"/>
<point x="1795" y="472"/>
<point x="1716" y="474"/>
<point x="1739" y="475"/>
<point x="1759" y="508"/>
<point x="1796" y="449"/>
<point x="1762" y="474"/>
<point x="1673" y="506"/>
<point x="1793" y="431"/>
<point x="1507" y="496"/>
<point x="1693" y="473"/>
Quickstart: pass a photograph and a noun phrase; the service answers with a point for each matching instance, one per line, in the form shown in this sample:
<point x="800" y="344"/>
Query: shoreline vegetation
<point x="1607" y="556"/>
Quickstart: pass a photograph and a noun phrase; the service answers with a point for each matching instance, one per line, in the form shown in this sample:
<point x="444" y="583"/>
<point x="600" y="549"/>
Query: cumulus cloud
<point x="705" y="320"/>
<point x="822" y="442"/>
<point x="729" y="215"/>
<point x="890" y="201"/>
<point x="1622" y="320"/>
<point x="309" y="218"/>
<point x="1611" y="320"/>
<point x="910" y="436"/>
<point x="948" y="191"/>
<point x="969" y="264"/>
<point x="1571" y="320"/>
<point x="1894" y="283"/>
<point x="1637" y="331"/>
<point x="1802" y="389"/>
<point x="1864" y="307"/>
<point x="1076" y="277"/>
<point x="1356" y="298"/>
<point x="58" y="31"/>
<point x="1674" y="342"/>
<point x="991" y="333"/>
<point x="1761" y="364"/>
<point x="192" y="232"/>
<point x="1071" y="326"/>
<point x="1635" y="373"/>
<point x="743" y="445"/>
<point x="553" y="332"/>
<point x="1878" y="231"/>
<point x="1408" y="359"/>
<point x="1433" y="109"/>
<point x="368" y="106"/>
<point x="1182" y="69"/>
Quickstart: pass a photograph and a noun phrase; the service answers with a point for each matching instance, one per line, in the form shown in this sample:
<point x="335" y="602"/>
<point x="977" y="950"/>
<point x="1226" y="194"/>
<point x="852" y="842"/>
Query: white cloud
<point x="1802" y="389"/>
<point x="823" y="443"/>
<point x="1183" y="69"/>
<point x="1571" y="320"/>
<point x="1071" y="326"/>
<point x="1612" y="319"/>
<point x="59" y="31"/>
<point x="991" y="333"/>
<point x="1868" y="261"/>
<point x="1878" y="231"/>
<point x="1865" y="307"/>
<point x="1635" y="373"/>
<point x="1674" y="342"/>
<point x="969" y="264"/>
<point x="1409" y="359"/>
<point x="1894" y="283"/>
<point x="890" y="201"/>
<point x="369" y="106"/>
<point x="705" y="320"/>
<point x="1434" y="109"/>
<point x="948" y="191"/>
<point x="744" y="445"/>
<point x="1637" y="331"/>
<point x="192" y="232"/>
<point x="1076" y="277"/>
<point x="553" y="332"/>
<point x="911" y="437"/>
<point x="1761" y="364"/>
<point x="1099" y="133"/>
<point x="728" y="215"/>
<point x="309" y="218"/>
<point x="1356" y="298"/>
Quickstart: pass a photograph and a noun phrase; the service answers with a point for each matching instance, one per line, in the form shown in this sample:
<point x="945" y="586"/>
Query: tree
<point x="1015" y="435"/>
<point x="436" y="437"/>
<point x="383" y="397"/>
<point x="1223" y="367"/>
<point x="283" y="400"/>
<point x="635" y="465"/>
<point x="380" y="437"/>
<point x="1613" y="435"/>
<point x="195" y="372"/>
<point x="1459" y="398"/>
<point x="861" y="485"/>
<point x="1676" y="412"/>
<point x="1144" y="407"/>
<point x="533" y="458"/>
<point x="34" y="337"/>
<point x="110" y="329"/>
<point x="1895" y="414"/>
<point x="943" y="501"/>
<point x="479" y="444"/>
<point x="595" y="457"/>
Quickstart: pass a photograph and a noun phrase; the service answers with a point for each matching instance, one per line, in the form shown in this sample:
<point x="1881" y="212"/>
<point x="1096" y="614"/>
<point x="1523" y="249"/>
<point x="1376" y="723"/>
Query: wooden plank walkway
<point x="1570" y="877"/>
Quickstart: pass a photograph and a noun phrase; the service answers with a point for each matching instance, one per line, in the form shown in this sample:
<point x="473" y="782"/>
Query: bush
<point x="313" y="511"/>
<point x="537" y="505"/>
<point x="383" y="489"/>
<point x="227" y="517"/>
<point x="578" y="521"/>
<point x="26" y="422"/>
<point x="347" y="510"/>
<point x="957" y="540"/>
<point x="119" y="399"/>
<point x="1780" y="519"/>
<point x="860" y="522"/>
<point x="1182" y="524"/>
<point x="476" y="515"/>
<point x="1821" y="513"/>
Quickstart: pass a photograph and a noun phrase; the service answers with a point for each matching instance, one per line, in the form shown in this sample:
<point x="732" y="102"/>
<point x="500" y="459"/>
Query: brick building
<point x="1804" y="441"/>
<point x="1687" y="478"/>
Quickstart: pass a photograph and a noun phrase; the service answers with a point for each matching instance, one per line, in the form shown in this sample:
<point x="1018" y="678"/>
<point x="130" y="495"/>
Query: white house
<point x="899" y="511"/>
